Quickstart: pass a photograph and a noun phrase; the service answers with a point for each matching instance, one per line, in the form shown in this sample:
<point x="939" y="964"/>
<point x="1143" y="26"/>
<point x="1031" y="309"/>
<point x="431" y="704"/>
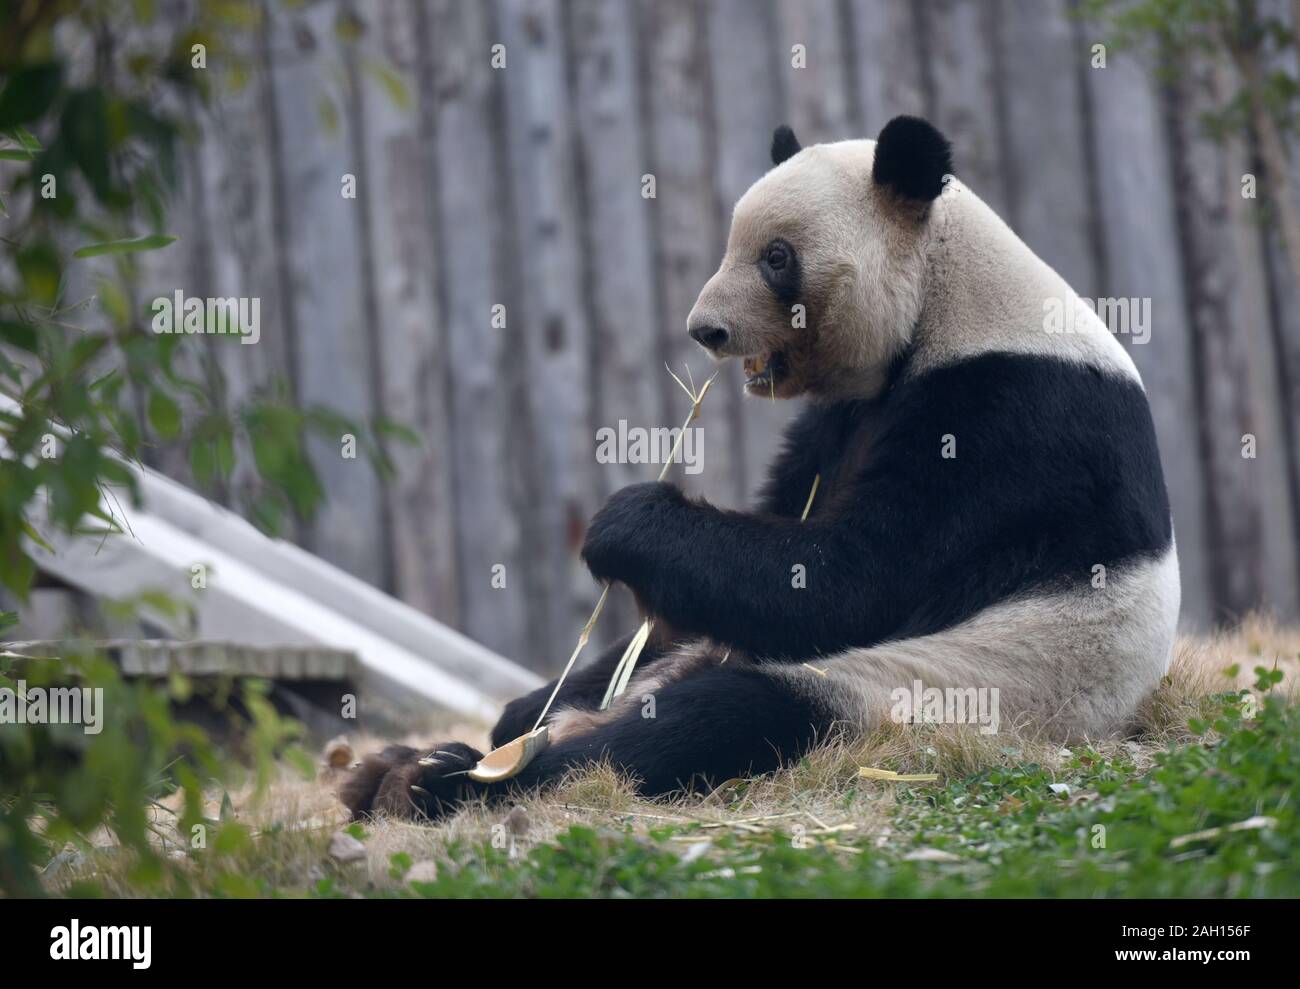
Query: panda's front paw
<point x="412" y="784"/>
<point x="625" y="536"/>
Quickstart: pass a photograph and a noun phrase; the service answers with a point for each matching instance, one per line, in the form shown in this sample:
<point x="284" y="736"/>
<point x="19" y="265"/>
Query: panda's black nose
<point x="712" y="337"/>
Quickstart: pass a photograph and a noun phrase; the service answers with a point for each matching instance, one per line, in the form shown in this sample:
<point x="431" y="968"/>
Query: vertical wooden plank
<point x="617" y="256"/>
<point x="181" y="265"/>
<point x="1205" y="176"/>
<point x="523" y="187"/>
<point x="1045" y="163"/>
<point x="395" y="198"/>
<point x="747" y="105"/>
<point x="548" y="321"/>
<point x="456" y="78"/>
<point x="885" y="52"/>
<point x="1138" y="223"/>
<point x="610" y="159"/>
<point x="280" y="272"/>
<point x="817" y="95"/>
<point x="685" y="214"/>
<point x="1284" y="295"/>
<point x="333" y="356"/>
<point x="157" y="275"/>
<point x="234" y="174"/>
<point x="1270" y="468"/>
<point x="960" y="45"/>
<point x="152" y="273"/>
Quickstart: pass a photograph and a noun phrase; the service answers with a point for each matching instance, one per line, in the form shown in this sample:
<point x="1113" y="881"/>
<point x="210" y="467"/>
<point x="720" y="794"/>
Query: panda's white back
<point x="986" y="290"/>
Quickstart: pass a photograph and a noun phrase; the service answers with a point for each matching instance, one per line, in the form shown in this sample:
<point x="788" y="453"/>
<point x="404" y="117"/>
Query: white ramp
<point x="266" y="592"/>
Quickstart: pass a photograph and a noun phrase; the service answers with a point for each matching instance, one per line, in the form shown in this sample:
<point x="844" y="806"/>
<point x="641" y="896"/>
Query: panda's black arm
<point x="773" y="586"/>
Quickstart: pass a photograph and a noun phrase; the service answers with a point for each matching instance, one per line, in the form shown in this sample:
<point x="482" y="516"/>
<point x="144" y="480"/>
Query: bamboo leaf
<point x="149" y="242"/>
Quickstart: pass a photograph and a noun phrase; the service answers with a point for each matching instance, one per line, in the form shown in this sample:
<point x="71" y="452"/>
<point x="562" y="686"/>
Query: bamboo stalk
<point x="644" y="633"/>
<point x="583" y="636"/>
<point x="627" y="662"/>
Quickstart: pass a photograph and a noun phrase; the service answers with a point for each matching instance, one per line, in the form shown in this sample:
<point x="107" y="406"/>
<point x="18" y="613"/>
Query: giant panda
<point x="991" y="510"/>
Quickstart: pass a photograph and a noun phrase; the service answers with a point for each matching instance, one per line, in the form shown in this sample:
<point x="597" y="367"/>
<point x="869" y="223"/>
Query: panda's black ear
<point x="784" y="144"/>
<point x="912" y="158"/>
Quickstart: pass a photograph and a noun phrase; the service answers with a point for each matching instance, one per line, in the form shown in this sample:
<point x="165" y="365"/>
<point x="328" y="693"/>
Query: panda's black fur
<point x="911" y="543"/>
<point x="912" y="157"/>
<point x="1057" y="472"/>
<point x="784" y="145"/>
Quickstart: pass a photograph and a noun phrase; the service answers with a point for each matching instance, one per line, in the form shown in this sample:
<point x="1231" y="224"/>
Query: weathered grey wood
<point x="470" y="198"/>
<point x="183" y="265"/>
<point x="886" y="58"/>
<point x="1268" y="471"/>
<point x="1045" y="162"/>
<point x="332" y="354"/>
<point x="1143" y="262"/>
<point x="1206" y="179"/>
<point x="617" y="264"/>
<point x="523" y="187"/>
<point x="818" y="96"/>
<point x="1285" y="313"/>
<point x="231" y="191"/>
<point x="411" y="364"/>
<point x="960" y="42"/>
<point x="234" y="190"/>
<point x="1284" y="293"/>
<point x="676" y="94"/>
<point x="748" y="103"/>
<point x="547" y="367"/>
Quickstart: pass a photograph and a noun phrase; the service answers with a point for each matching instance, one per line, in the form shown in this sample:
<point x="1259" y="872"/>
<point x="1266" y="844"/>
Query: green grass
<point x="1101" y="827"/>
<point x="1096" y="826"/>
<point x="1199" y="804"/>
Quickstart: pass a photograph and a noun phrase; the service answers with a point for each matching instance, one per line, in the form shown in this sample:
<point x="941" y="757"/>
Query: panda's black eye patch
<point x="780" y="267"/>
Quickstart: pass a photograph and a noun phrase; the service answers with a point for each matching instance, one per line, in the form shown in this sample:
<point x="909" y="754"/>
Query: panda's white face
<point x="823" y="276"/>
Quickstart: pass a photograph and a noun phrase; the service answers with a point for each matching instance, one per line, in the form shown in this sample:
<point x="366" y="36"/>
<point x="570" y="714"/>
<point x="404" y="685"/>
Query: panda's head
<point x="824" y="273"/>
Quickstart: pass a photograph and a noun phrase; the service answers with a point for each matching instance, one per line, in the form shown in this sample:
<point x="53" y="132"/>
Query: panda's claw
<point x="399" y="783"/>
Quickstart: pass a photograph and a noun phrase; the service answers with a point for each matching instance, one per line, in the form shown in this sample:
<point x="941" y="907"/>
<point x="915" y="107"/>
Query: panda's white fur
<point x="984" y="289"/>
<point x="954" y="282"/>
<point x="1071" y="665"/>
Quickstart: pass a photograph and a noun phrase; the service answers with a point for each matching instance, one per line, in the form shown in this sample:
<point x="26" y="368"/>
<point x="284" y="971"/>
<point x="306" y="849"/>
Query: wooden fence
<point x="522" y="187"/>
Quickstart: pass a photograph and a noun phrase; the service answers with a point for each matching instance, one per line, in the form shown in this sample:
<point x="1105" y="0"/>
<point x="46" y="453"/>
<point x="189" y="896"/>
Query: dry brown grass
<point x="823" y="794"/>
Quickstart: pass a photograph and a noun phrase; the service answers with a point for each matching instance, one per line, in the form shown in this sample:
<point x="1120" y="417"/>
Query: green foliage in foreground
<point x="89" y="167"/>
<point x="65" y="793"/>
<point x="1010" y="832"/>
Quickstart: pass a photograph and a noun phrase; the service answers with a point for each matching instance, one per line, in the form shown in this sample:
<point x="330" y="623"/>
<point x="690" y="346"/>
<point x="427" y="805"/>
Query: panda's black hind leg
<point x="584" y="687"/>
<point x="700" y="731"/>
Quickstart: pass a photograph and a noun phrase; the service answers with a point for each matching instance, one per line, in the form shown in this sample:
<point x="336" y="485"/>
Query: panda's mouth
<point x="762" y="373"/>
